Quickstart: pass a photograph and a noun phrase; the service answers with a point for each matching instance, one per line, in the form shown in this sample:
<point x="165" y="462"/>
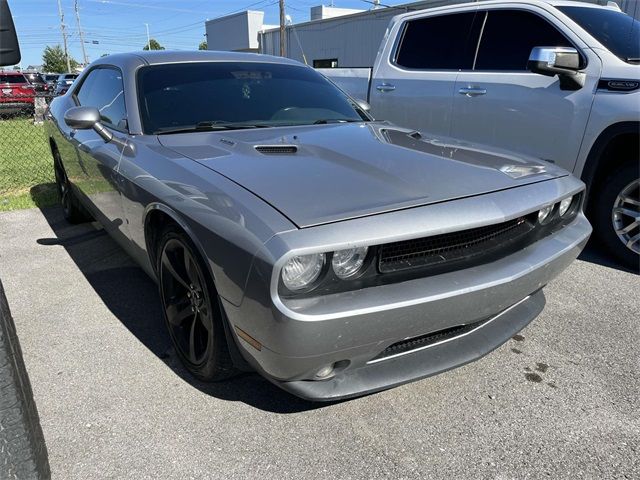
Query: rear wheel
<point x="617" y="214"/>
<point x="71" y="208"/>
<point x="192" y="309"/>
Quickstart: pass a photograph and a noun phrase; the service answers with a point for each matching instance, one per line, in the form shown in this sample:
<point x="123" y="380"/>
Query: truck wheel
<point x="23" y="453"/>
<point x="71" y="208"/>
<point x="617" y="214"/>
<point x="192" y="309"/>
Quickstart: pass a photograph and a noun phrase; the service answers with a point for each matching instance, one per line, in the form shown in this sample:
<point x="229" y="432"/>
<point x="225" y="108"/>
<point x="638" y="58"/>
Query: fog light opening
<point x="325" y="372"/>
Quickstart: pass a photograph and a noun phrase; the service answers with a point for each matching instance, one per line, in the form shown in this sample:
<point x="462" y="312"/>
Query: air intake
<point x="276" y="149"/>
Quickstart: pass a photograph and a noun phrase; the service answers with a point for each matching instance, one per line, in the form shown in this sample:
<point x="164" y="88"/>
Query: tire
<point x="71" y="208"/>
<point x="23" y="453"/>
<point x="608" y="218"/>
<point x="192" y="310"/>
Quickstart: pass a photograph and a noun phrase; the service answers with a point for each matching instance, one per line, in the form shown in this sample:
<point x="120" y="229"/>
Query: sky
<point x="119" y="25"/>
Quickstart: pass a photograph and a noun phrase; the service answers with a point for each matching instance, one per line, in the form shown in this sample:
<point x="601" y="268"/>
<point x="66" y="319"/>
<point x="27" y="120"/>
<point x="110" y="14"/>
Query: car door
<point x="500" y="103"/>
<point x="413" y="85"/>
<point x="98" y="175"/>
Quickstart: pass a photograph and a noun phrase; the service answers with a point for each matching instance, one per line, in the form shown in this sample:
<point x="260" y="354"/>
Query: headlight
<point x="346" y="263"/>
<point x="564" y="206"/>
<point x="543" y="214"/>
<point x="301" y="271"/>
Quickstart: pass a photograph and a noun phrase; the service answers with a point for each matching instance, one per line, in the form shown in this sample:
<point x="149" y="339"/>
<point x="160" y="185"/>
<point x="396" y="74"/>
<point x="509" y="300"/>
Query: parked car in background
<point x="64" y="81"/>
<point x="51" y="79"/>
<point x="559" y="80"/>
<point x="37" y="80"/>
<point x="291" y="234"/>
<point x="16" y="93"/>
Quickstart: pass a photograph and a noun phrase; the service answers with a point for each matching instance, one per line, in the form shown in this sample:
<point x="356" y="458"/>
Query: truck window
<point x="509" y="36"/>
<point x="445" y="42"/>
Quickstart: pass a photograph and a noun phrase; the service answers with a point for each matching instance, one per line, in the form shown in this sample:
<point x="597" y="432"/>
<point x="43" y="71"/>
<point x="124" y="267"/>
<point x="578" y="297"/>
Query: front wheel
<point x="192" y="311"/>
<point x="617" y="214"/>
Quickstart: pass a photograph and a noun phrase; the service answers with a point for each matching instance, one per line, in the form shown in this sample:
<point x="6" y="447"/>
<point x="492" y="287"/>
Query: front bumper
<point x="350" y="329"/>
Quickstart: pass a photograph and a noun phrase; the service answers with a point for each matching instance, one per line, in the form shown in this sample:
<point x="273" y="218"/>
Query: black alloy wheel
<point x="192" y="314"/>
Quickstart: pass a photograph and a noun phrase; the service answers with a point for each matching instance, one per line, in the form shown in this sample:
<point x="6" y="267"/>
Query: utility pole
<point x="84" y="52"/>
<point x="148" y="39"/>
<point x="282" y="29"/>
<point x="64" y="36"/>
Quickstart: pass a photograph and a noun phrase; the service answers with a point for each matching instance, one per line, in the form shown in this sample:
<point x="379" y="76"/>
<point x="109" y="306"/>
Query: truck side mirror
<point x="9" y="47"/>
<point x="561" y="61"/>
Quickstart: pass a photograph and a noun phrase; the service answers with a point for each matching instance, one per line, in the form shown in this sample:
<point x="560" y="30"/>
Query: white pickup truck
<point x="559" y="80"/>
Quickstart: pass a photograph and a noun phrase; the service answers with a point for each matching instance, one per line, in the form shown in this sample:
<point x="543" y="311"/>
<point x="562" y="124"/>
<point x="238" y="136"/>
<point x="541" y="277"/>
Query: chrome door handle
<point x="385" y="87"/>
<point x="472" y="91"/>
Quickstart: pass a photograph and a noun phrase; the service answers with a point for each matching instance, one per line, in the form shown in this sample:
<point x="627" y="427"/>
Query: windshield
<point x="216" y="95"/>
<point x="617" y="31"/>
<point x="34" y="78"/>
<point x="12" y="79"/>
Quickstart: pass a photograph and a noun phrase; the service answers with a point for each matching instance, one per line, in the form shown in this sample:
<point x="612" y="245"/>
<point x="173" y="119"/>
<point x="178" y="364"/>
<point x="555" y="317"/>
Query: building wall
<point x="237" y="32"/>
<point x="354" y="39"/>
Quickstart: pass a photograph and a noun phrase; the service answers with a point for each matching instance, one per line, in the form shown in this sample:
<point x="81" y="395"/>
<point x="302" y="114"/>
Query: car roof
<point x="10" y="72"/>
<point x="156" y="57"/>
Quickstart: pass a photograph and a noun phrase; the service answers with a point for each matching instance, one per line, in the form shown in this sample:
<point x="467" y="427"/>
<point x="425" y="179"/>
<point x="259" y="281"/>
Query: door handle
<point x="472" y="91"/>
<point x="385" y="87"/>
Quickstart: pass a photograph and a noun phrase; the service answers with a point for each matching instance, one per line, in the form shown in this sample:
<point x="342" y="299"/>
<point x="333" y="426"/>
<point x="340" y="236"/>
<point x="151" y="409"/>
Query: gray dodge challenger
<point x="293" y="235"/>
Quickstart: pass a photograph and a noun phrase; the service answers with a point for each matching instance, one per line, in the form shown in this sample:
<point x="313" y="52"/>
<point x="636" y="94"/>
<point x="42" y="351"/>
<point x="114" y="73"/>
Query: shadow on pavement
<point x="594" y="253"/>
<point x="133" y="298"/>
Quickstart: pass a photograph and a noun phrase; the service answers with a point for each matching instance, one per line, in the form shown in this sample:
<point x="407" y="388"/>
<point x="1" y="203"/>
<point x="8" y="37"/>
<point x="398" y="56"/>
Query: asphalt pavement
<point x="560" y="400"/>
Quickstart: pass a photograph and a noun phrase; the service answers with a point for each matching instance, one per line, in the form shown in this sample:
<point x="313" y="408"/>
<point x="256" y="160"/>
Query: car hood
<point x="328" y="173"/>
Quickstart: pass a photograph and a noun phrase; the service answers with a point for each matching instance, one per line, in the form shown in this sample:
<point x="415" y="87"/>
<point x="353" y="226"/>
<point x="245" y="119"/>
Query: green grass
<point x="26" y="166"/>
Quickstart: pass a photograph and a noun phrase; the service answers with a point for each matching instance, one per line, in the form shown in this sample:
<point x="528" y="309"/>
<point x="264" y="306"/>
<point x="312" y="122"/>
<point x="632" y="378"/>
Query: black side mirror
<point x="9" y="47"/>
<point x="561" y="61"/>
<point x="84" y="118"/>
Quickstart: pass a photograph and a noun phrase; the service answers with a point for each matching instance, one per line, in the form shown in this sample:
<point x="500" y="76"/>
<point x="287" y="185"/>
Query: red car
<point x="16" y="93"/>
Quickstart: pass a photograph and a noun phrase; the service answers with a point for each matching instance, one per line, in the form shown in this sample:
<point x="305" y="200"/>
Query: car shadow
<point x="132" y="297"/>
<point x="594" y="252"/>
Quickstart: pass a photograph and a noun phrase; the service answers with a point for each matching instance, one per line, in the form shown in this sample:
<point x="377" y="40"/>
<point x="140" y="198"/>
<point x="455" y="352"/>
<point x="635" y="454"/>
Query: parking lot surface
<point x="560" y="400"/>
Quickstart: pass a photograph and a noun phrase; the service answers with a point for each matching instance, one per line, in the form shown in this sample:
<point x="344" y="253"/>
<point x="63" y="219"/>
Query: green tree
<point x="55" y="61"/>
<point x="153" y="45"/>
<point x="203" y="45"/>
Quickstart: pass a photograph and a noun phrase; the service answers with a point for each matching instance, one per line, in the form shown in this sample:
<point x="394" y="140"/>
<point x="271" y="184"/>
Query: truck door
<point x="500" y="103"/>
<point x="415" y="75"/>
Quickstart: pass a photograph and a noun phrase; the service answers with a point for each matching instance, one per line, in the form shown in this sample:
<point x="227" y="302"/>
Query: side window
<point x="509" y="36"/>
<point x="445" y="42"/>
<point x="103" y="89"/>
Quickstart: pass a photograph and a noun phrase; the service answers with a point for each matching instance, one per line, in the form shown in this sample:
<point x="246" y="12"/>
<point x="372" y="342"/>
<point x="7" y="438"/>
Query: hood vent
<point x="276" y="149"/>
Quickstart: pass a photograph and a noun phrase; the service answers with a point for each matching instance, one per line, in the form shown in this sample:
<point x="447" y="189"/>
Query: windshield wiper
<point x="324" y="121"/>
<point x="210" y="126"/>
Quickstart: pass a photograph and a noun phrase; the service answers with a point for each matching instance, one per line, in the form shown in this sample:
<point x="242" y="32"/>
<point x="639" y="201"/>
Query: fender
<point x="593" y="166"/>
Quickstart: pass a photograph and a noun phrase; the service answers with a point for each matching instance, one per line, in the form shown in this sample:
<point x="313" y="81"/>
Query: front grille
<point x="276" y="149"/>
<point x="451" y="247"/>
<point x="415" y="343"/>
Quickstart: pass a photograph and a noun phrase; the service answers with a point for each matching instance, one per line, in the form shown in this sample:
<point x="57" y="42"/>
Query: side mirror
<point x="363" y="105"/>
<point x="561" y="61"/>
<point x="9" y="48"/>
<point x="84" y="118"/>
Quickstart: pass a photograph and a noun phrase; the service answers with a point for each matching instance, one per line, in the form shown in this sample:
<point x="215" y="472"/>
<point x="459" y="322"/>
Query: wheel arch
<point x="612" y="139"/>
<point x="156" y="216"/>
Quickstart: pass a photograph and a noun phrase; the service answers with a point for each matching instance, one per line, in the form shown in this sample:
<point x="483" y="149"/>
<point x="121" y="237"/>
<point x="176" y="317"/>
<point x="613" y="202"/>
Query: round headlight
<point x="301" y="271"/>
<point x="543" y="214"/>
<point x="564" y="206"/>
<point x="346" y="263"/>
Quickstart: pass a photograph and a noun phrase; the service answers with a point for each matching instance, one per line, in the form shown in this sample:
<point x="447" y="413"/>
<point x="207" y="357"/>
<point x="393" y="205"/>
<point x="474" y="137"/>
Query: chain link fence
<point x="26" y="165"/>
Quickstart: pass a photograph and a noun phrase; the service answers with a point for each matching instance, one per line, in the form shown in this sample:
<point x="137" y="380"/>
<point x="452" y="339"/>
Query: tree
<point x="55" y="61"/>
<point x="153" y="43"/>
<point x="203" y="45"/>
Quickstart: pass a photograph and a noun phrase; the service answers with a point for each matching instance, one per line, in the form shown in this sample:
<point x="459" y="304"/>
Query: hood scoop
<point x="276" y="149"/>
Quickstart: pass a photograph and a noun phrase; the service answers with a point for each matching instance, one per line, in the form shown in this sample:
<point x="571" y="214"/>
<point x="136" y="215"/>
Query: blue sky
<point x="118" y="25"/>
